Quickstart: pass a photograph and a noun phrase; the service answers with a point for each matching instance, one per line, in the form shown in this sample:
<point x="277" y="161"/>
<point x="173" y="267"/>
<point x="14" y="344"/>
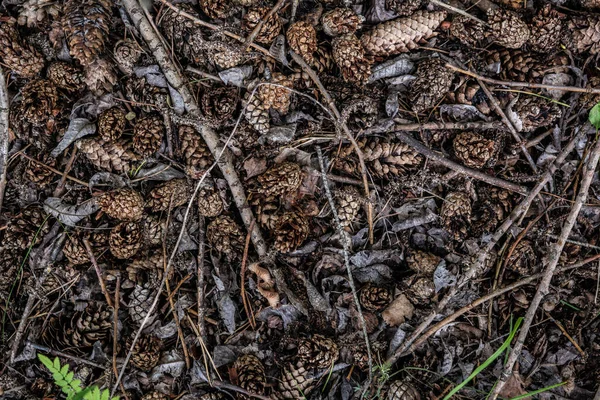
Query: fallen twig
<point x="98" y="270"/>
<point x="544" y="286"/>
<point x="57" y="353"/>
<point x="4" y="136"/>
<point x="200" y="278"/>
<point x="458" y="11"/>
<point x="248" y="42"/>
<point x="447" y="125"/>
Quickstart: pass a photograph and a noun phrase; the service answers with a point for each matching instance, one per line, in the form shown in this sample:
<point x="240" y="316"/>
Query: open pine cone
<point x="122" y="204"/>
<point x="302" y="38"/>
<point x="148" y="135"/>
<point x="169" y="195"/>
<point x="250" y="374"/>
<point x="473" y="150"/>
<point x="349" y="55"/>
<point x="318" y="351"/>
<point x="111" y="123"/>
<point x="456" y="214"/>
<point x="271" y="28"/>
<point x="433" y="81"/>
<point x="125" y="239"/>
<point x="146" y="352"/>
<point x="194" y="152"/>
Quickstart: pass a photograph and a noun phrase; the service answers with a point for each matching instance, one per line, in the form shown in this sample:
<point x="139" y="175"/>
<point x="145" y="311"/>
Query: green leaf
<point x="57" y="364"/>
<point x="83" y="394"/>
<point x="76" y="383"/>
<point x="46" y="361"/>
<point x="57" y="376"/>
<point x="64" y="370"/>
<point x="105" y="395"/>
<point x="594" y="116"/>
<point x="69" y="377"/>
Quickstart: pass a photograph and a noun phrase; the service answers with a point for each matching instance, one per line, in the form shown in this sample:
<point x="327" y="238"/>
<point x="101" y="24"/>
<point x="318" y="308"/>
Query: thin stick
<point x="523" y="84"/>
<point x="53" y="169"/>
<point x="473" y="173"/>
<point x="447" y="125"/>
<point x="61" y="185"/>
<point x="200" y="279"/>
<point x="57" y="353"/>
<point x="331" y="104"/>
<point x="99" y="273"/>
<point x="249" y="313"/>
<point x="204" y="74"/>
<point x="116" y="333"/>
<point x="248" y="42"/>
<point x="564" y="332"/>
<point x="458" y="11"/>
<point x="554" y="256"/>
<point x="4" y="136"/>
<point x="234" y="388"/>
<point x="346" y="248"/>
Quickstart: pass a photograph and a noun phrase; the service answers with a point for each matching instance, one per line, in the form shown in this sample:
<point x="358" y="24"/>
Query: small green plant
<point x="70" y="386"/>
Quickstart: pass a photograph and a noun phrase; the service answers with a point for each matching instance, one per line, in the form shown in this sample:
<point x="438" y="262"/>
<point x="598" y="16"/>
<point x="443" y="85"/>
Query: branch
<point x="447" y="125"/>
<point x="543" y="289"/>
<point x="4" y="136"/>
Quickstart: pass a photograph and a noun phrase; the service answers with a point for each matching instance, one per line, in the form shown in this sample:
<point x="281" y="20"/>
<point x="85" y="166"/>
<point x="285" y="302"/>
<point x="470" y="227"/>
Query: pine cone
<point x="280" y="179"/>
<point x="209" y="203"/>
<point x="109" y="156"/>
<point x="39" y="101"/>
<point x="270" y="29"/>
<point x="491" y="208"/>
<point x="507" y="28"/>
<point x="19" y="56"/>
<point x="216" y="9"/>
<point x="348" y="204"/>
<point x="294" y="383"/>
<point x="584" y="34"/>
<point x="225" y="54"/>
<point x="155" y="395"/>
<point x="356" y="352"/>
<point x="384" y="158"/>
<point x="89" y="326"/>
<point x="420" y="289"/>
<point x="225" y="236"/>
<point x="523" y="259"/>
<point x="150" y="97"/>
<point x="467" y="30"/>
<point x="170" y="194"/>
<point x="111" y="124"/>
<point x="146" y="352"/>
<point x="218" y="104"/>
<point x="250" y="374"/>
<point x="318" y="351"/>
<point x="182" y="30"/>
<point x="375" y="298"/>
<point x="546" y="30"/>
<point x="27" y="229"/>
<point x="473" y="150"/>
<point x="456" y="214"/>
<point x="65" y="76"/>
<point x="421" y="262"/>
<point x="589" y="100"/>
<point x="302" y="38"/>
<point x="534" y="112"/>
<point x="431" y="85"/>
<point x="194" y="151"/>
<point x="148" y="135"/>
<point x="75" y="251"/>
<point x="140" y="301"/>
<point x="340" y="21"/>
<point x="34" y="12"/>
<point x="99" y="76"/>
<point x="255" y="112"/>
<point x="153" y="230"/>
<point x="402" y="390"/>
<point x="10" y="261"/>
<point x="275" y="97"/>
<point x="590" y="4"/>
<point x="86" y="26"/>
<point x="122" y="204"/>
<point x="291" y="231"/>
<point x="125" y="239"/>
<point x="470" y="93"/>
<point x="36" y="173"/>
<point x="403" y="8"/>
<point x="401" y="35"/>
<point x="127" y="53"/>
<point x="349" y="55"/>
<point x="147" y="270"/>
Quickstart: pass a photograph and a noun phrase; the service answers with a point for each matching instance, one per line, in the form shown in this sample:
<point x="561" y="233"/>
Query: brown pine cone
<point x="209" y="203"/>
<point x="35" y="12"/>
<point x="111" y="124"/>
<point x="153" y="230"/>
<point x="534" y="112"/>
<point x="375" y="298"/>
<point x="294" y="383"/>
<point x="275" y="97"/>
<point x="420" y="289"/>
<point x="250" y="374"/>
<point x="39" y="101"/>
<point x="109" y="156"/>
<point x="126" y="54"/>
<point x="75" y="251"/>
<point x="523" y="259"/>
<point x="100" y="76"/>
<point x="270" y="29"/>
<point x="216" y="9"/>
<point x="148" y="135"/>
<point x="122" y="204"/>
<point x="467" y="30"/>
<point x="302" y="38"/>
<point x="169" y="195"/>
<point x="65" y="76"/>
<point x="492" y="207"/>
<point x="280" y="179"/>
<point x="546" y="30"/>
<point x="421" y="262"/>
<point x="348" y="203"/>
<point x="401" y="35"/>
<point x="149" y="97"/>
<point x="403" y="8"/>
<point x="431" y="85"/>
<point x="36" y="173"/>
<point x="218" y="104"/>
<point x="583" y="34"/>
<point x="147" y="270"/>
<point x="456" y="214"/>
<point x="225" y="54"/>
<point x="318" y="351"/>
<point x="194" y="152"/>
<point x="92" y="324"/>
<point x="349" y="55"/>
<point x="155" y="395"/>
<point x="225" y="236"/>
<point x="590" y="4"/>
<point x="255" y="112"/>
<point x="340" y="21"/>
<point x="10" y="260"/>
<point x="212" y="396"/>
<point x="86" y="26"/>
<point x="291" y="231"/>
<point x="146" y="352"/>
<point x="125" y="239"/>
<point x="183" y="31"/>
<point x="507" y="28"/>
<point x="26" y="229"/>
<point x="18" y="55"/>
<point x="402" y="390"/>
<point x="356" y="352"/>
<point x="589" y="100"/>
<point x="473" y="150"/>
<point x="140" y="301"/>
